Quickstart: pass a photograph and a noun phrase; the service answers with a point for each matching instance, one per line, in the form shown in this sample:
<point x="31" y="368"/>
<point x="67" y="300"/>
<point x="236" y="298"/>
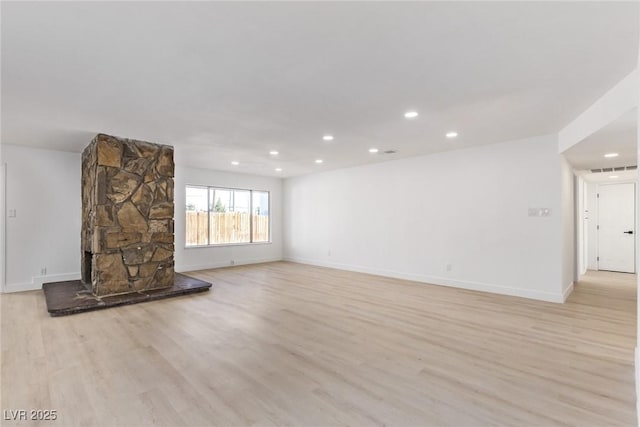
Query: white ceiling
<point x="620" y="136"/>
<point x="231" y="81"/>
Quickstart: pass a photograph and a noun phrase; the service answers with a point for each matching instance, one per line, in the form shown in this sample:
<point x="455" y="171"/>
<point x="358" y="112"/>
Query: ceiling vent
<point x="618" y="169"/>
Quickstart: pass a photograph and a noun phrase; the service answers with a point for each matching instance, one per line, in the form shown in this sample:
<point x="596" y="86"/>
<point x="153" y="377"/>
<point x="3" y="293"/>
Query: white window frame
<point x="209" y="205"/>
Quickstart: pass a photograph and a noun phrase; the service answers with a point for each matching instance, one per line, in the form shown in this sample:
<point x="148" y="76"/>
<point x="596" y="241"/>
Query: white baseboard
<point x="441" y="281"/>
<point x="567" y="291"/>
<point x="220" y="264"/>
<point x="36" y="282"/>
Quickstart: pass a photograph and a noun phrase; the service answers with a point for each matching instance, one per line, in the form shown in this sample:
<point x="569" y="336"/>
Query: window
<point x="217" y="216"/>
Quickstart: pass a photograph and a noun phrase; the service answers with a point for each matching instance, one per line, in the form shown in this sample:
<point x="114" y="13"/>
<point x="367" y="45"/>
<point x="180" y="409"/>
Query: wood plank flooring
<point x="288" y="344"/>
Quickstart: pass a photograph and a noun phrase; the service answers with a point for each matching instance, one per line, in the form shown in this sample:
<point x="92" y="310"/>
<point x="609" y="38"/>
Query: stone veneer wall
<point x="127" y="215"/>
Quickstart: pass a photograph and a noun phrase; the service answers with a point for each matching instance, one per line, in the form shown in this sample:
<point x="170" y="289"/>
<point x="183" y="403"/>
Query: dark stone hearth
<point x="71" y="297"/>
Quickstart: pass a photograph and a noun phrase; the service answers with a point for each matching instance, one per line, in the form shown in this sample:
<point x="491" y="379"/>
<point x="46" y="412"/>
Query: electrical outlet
<point x="449" y="267"/>
<point x="328" y="253"/>
<point x="43" y="271"/>
<point x="12" y="213"/>
<point x="232" y="262"/>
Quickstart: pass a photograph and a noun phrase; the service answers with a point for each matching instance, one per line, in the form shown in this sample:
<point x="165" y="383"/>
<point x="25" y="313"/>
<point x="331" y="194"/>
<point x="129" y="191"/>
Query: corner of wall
<point x="567" y="291"/>
<point x="568" y="243"/>
<point x="3" y="225"/>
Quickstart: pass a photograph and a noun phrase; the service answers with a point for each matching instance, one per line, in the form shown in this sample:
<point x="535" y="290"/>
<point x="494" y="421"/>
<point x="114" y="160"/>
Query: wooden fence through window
<point x="226" y="227"/>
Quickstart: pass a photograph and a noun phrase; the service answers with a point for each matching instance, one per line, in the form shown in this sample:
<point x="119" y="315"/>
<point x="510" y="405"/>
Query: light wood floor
<point x="288" y="344"/>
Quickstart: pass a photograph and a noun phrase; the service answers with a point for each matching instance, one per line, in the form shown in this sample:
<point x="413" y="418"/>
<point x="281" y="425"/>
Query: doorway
<point x="616" y="227"/>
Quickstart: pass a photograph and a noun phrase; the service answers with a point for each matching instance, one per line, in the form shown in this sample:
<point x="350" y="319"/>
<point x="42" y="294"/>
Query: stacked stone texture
<point x="127" y="215"/>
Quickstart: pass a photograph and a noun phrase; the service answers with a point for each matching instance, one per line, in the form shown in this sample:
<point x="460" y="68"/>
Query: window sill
<point x="218" y="245"/>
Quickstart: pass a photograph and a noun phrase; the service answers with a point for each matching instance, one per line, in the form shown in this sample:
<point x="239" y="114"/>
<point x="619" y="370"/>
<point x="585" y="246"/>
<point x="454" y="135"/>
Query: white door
<point x="616" y="227"/>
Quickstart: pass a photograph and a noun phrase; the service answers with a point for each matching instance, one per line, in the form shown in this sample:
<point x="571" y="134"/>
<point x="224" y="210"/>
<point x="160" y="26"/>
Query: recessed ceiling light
<point x="373" y="150"/>
<point x="273" y="152"/>
<point x="328" y="137"/>
<point x="411" y="114"/>
<point x="451" y="134"/>
<point x="234" y="163"/>
<point x="318" y="161"/>
<point x="613" y="176"/>
<point x="609" y="155"/>
<point x="278" y="169"/>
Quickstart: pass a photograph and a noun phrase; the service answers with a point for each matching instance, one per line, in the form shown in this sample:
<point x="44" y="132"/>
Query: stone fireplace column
<point x="127" y="216"/>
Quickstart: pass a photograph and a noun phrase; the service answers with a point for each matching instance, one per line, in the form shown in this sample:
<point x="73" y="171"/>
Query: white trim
<point x="220" y="264"/>
<point x="220" y="245"/>
<point x="251" y="215"/>
<point x="37" y="281"/>
<point x="439" y="281"/>
<point x="567" y="291"/>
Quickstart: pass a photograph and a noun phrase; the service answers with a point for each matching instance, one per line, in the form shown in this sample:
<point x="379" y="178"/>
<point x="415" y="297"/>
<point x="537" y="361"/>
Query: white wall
<point x="3" y="182"/>
<point x="637" y="355"/>
<point x="411" y="218"/>
<point x="569" y="249"/>
<point x="581" y="223"/>
<point x="210" y="257"/>
<point x="637" y="352"/>
<point x="43" y="187"/>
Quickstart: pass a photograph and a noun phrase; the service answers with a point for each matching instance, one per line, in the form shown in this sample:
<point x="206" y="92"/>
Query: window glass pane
<point x="222" y="216"/>
<point x="230" y="216"/>
<point x="260" y="216"/>
<point x="220" y="200"/>
<point x="197" y="232"/>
